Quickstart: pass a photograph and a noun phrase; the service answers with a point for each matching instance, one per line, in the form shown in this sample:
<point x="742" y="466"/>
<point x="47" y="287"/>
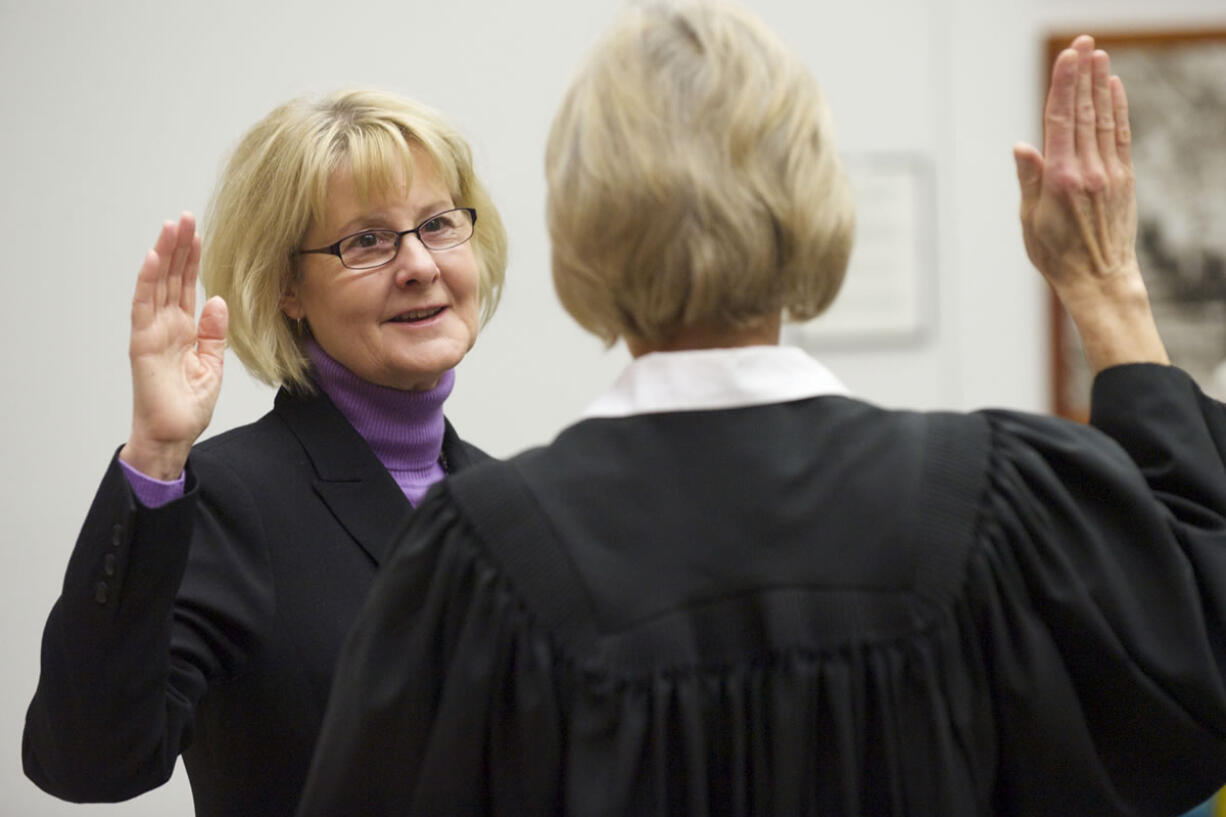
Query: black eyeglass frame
<point x="335" y="247"/>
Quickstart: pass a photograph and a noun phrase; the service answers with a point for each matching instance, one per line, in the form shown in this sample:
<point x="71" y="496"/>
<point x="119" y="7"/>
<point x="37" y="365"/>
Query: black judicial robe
<point x="210" y="627"/>
<point x="804" y="608"/>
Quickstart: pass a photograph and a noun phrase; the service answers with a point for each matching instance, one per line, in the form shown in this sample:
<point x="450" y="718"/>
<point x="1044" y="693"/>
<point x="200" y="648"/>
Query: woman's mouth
<point x="417" y="315"/>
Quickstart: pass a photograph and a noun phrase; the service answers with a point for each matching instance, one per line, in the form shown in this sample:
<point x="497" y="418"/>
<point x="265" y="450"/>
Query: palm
<point x="176" y="365"/>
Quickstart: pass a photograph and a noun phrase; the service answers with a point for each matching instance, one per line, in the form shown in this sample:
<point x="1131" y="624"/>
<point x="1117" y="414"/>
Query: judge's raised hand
<point x="1079" y="214"/>
<point x="176" y="364"/>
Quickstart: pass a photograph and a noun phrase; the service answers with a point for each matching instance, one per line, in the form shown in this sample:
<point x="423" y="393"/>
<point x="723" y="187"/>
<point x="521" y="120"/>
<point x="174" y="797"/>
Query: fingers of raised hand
<point x="1059" y="114"/>
<point x="187" y="297"/>
<point x="211" y="334"/>
<point x="1104" y="108"/>
<point x="165" y="249"/>
<point x="1123" y="131"/>
<point x="167" y="277"/>
<point x="1086" y="121"/>
<point x="180" y="261"/>
<point x="150" y="281"/>
<point x="1029" y="165"/>
<point x="1087" y="116"/>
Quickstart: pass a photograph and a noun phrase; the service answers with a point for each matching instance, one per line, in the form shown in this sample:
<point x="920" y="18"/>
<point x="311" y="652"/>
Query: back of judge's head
<point x="693" y="179"/>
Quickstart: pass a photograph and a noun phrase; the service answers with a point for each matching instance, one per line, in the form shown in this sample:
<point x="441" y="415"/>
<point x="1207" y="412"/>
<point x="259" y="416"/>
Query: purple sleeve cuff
<point x="152" y="493"/>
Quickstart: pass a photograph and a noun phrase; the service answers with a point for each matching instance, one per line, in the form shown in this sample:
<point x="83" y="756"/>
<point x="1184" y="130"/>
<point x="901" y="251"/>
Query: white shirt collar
<point x="707" y="379"/>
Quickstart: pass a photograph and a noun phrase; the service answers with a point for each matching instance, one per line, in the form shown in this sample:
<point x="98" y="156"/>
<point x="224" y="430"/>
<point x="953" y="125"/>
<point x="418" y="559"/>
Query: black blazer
<point x="211" y="626"/>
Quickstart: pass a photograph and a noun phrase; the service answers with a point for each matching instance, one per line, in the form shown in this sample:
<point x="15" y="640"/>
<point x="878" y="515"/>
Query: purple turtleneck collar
<point x="403" y="428"/>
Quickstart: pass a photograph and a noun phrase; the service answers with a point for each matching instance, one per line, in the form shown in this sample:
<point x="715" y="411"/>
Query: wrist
<point x="1120" y="289"/>
<point x="158" y="460"/>
<point x="1116" y="324"/>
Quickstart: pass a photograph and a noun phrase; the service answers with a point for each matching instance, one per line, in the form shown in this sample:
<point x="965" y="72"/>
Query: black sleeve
<point x="1104" y="597"/>
<point x="156" y="603"/>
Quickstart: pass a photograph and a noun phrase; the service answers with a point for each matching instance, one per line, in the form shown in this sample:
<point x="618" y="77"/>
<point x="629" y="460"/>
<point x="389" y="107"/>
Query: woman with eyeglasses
<point x="733" y="588"/>
<point x="352" y="256"/>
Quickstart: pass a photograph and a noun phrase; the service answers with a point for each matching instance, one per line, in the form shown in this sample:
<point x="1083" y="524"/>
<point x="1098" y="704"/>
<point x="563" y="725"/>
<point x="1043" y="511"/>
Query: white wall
<point x="117" y="115"/>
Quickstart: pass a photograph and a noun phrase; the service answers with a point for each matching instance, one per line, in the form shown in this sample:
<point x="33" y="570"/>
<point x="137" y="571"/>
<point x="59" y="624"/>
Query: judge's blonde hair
<point x="275" y="186"/>
<point x="693" y="179"/>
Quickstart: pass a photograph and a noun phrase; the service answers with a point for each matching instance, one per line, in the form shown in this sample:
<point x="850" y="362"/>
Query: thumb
<point x="211" y="333"/>
<point x="1029" y="172"/>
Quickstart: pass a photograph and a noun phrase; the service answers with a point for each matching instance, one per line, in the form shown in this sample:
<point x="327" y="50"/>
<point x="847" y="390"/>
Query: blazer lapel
<point x="349" y="477"/>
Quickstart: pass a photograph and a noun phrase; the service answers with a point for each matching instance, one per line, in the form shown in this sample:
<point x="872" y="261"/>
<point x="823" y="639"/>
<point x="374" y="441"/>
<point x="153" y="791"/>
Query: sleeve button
<point x="117" y="535"/>
<point x="108" y="564"/>
<point x="101" y="592"/>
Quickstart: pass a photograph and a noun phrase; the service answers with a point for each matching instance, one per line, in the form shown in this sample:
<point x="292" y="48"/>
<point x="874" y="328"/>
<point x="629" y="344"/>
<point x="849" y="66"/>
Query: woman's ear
<point x="291" y="305"/>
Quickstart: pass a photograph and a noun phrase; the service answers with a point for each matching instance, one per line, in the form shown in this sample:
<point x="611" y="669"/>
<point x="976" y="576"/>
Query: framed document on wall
<point x="889" y="294"/>
<point x="1176" y="84"/>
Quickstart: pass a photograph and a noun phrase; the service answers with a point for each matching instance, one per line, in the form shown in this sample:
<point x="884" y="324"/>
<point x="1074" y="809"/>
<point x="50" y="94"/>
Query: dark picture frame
<point x="1176" y="84"/>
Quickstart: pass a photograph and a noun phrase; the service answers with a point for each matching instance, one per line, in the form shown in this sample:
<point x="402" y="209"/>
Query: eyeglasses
<point x="374" y="248"/>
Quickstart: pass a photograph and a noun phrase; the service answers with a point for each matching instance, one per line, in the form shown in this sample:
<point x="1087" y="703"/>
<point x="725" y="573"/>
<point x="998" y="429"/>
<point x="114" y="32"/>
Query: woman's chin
<point x="424" y="371"/>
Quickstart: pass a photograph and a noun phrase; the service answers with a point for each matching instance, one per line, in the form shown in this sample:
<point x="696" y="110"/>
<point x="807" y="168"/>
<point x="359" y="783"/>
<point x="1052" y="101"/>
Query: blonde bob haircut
<point x="275" y="186"/>
<point x="693" y="180"/>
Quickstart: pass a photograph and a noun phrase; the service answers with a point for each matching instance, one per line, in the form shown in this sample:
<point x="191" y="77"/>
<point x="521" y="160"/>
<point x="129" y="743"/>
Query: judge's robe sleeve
<point x="1101" y="589"/>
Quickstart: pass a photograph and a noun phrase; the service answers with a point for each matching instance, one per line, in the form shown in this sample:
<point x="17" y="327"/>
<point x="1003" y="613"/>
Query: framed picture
<point x="1176" y="84"/>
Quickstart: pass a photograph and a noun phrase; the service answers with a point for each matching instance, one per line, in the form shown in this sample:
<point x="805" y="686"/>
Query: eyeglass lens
<point x="375" y="247"/>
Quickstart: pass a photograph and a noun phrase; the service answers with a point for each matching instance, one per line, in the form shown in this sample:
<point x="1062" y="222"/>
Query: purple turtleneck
<point x="403" y="428"/>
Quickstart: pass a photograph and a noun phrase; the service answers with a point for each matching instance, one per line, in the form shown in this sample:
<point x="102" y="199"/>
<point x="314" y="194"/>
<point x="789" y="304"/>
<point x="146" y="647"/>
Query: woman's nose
<point x="414" y="262"/>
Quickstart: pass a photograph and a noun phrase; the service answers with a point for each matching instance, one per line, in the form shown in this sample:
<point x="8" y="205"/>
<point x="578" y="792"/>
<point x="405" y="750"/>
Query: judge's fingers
<point x="1087" y="121"/>
<point x="1029" y="174"/>
<point x="1059" y="111"/>
<point x="1104" y="108"/>
<point x="1123" y="131"/>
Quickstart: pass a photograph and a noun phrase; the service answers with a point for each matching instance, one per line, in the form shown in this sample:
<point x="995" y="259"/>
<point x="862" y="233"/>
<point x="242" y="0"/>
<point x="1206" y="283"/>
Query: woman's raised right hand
<point x="176" y="363"/>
